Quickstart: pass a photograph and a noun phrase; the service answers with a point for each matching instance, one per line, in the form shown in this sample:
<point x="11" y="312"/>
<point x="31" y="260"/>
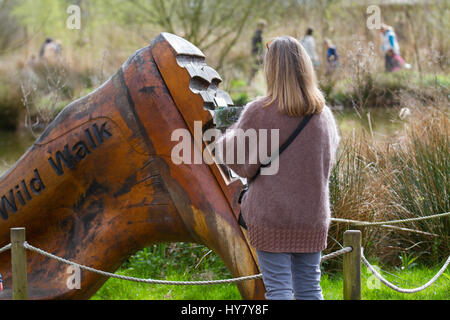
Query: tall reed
<point x="355" y="191"/>
<point x="402" y="177"/>
<point x="416" y="173"/>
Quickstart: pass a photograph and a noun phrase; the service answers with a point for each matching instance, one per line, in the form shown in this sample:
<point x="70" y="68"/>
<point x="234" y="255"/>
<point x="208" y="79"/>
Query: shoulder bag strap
<point x="284" y="146"/>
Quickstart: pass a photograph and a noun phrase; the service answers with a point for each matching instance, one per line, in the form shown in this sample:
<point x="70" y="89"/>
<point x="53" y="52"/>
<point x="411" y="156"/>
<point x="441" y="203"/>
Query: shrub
<point x="40" y="91"/>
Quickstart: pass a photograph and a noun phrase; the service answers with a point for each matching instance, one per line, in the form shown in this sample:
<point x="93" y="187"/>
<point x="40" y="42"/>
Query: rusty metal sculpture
<point x="99" y="183"/>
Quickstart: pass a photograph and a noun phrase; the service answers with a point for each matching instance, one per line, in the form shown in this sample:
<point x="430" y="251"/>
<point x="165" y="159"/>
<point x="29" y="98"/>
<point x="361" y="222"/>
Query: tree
<point x="11" y="35"/>
<point x="212" y="25"/>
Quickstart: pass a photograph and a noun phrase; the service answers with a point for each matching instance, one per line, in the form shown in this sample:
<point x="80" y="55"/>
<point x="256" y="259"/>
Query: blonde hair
<point x="290" y="78"/>
<point x="386" y="27"/>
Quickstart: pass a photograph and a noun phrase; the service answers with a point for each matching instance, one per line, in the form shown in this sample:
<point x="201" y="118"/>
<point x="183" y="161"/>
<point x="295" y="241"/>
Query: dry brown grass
<point x="401" y="177"/>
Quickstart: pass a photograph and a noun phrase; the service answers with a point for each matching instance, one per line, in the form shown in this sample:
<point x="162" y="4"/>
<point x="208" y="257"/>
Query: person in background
<point x="397" y="61"/>
<point x="257" y="49"/>
<point x="44" y="45"/>
<point x="389" y="46"/>
<point x="332" y="56"/>
<point x="309" y="44"/>
<point x="50" y="51"/>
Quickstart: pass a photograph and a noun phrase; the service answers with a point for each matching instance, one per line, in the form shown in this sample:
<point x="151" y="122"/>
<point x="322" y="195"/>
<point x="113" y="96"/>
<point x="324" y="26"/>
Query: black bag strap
<point x="283" y="147"/>
<point x="286" y="144"/>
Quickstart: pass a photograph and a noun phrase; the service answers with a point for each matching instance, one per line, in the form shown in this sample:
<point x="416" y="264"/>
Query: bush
<point x="383" y="90"/>
<point x="238" y="92"/>
<point x="164" y="258"/>
<point x="40" y="91"/>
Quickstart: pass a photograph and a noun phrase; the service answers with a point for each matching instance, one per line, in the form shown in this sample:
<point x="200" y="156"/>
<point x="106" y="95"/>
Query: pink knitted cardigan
<point x="288" y="211"/>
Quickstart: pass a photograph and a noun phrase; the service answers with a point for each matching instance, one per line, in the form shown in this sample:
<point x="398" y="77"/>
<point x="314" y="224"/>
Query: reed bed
<point x="404" y="176"/>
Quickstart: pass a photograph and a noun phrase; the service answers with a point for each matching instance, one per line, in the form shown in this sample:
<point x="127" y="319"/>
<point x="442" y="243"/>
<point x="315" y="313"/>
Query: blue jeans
<point x="291" y="275"/>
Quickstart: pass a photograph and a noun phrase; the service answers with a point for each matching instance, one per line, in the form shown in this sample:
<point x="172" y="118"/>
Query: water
<point x="381" y="122"/>
<point x="384" y="123"/>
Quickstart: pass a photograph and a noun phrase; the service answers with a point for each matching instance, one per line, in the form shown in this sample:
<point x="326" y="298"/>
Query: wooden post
<point x="352" y="265"/>
<point x="19" y="264"/>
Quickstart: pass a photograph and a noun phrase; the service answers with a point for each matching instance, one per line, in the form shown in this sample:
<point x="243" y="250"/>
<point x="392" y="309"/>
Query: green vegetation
<point x="388" y="167"/>
<point x="409" y="278"/>
<point x="177" y="261"/>
<point x="397" y="176"/>
<point x="383" y="89"/>
<point x="187" y="262"/>
<point x="223" y="30"/>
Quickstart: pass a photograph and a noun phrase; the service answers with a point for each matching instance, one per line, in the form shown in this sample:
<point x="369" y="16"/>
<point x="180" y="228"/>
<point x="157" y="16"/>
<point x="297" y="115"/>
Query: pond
<point x="384" y="122"/>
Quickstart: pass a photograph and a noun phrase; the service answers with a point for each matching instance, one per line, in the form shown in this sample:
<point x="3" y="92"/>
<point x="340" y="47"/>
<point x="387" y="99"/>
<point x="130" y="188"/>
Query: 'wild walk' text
<point x="68" y="157"/>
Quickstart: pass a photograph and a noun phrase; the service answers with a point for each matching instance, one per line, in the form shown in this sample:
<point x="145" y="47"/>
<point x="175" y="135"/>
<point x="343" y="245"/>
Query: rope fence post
<point x="19" y="264"/>
<point x="352" y="265"/>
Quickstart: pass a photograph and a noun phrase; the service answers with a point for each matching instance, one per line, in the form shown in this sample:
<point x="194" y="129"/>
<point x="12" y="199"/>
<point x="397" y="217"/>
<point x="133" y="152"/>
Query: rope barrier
<point x="377" y="223"/>
<point x="410" y="230"/>
<point x="164" y="282"/>
<point x="398" y="289"/>
<point x="356" y="222"/>
<point x="5" y="248"/>
<point x="337" y="253"/>
<point x="134" y="279"/>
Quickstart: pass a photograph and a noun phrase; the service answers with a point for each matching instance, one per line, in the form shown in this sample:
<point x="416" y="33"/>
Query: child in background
<point x="1" y="283"/>
<point x="397" y="61"/>
<point x="332" y="56"/>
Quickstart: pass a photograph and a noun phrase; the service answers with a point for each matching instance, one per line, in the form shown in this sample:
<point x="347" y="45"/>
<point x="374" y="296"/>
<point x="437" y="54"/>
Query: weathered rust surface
<point x="99" y="183"/>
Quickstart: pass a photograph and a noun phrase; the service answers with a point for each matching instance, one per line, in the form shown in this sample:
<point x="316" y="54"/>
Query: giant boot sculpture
<point x="99" y="183"/>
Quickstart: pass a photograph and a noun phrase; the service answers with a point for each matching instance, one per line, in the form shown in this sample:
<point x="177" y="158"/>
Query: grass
<point x="401" y="176"/>
<point x="416" y="174"/>
<point x="408" y="278"/>
<point x="153" y="263"/>
<point x="176" y="261"/>
<point x="115" y="289"/>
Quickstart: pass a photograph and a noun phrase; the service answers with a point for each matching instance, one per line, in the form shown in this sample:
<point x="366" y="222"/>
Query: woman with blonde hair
<point x="287" y="212"/>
